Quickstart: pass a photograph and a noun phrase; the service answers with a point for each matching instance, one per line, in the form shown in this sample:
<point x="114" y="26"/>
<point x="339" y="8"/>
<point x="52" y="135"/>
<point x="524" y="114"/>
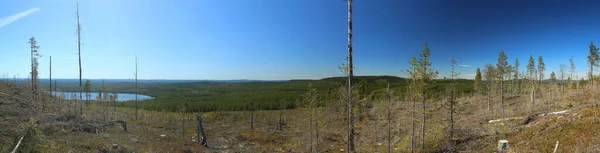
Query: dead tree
<point x="50" y="87"/>
<point x="389" y="117"/>
<point x="280" y="124"/>
<point x="350" y="119"/>
<point x="136" y="89"/>
<point x="183" y="122"/>
<point x="201" y="134"/>
<point x="79" y="54"/>
<point x="251" y="115"/>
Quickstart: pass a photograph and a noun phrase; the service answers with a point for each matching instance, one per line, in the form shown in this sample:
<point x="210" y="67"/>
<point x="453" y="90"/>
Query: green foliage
<point x="516" y="69"/>
<point x="553" y="77"/>
<point x="477" y="79"/>
<point x="541" y="67"/>
<point x="310" y="97"/>
<point x="531" y="67"/>
<point x="502" y="65"/>
<point x="593" y="58"/>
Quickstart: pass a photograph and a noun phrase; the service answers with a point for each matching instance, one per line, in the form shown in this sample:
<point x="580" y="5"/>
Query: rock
<point x="503" y="145"/>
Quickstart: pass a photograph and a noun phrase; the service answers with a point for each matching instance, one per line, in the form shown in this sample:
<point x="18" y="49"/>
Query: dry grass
<point x="230" y="131"/>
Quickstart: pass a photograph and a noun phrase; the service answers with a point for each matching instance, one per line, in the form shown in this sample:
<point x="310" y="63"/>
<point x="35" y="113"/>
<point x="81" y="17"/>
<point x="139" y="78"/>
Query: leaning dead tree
<point x="17" y="146"/>
<point x="350" y="119"/>
<point x="201" y="134"/>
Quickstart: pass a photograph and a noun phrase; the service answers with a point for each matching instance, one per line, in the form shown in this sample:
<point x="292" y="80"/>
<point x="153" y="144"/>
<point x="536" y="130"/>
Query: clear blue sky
<point x="289" y="39"/>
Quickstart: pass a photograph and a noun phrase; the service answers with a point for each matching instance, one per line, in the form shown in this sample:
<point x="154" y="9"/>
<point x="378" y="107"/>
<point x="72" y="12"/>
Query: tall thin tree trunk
<point x="50" y="87"/>
<point x="389" y="117"/>
<point x="350" y="141"/>
<point x="279" y="122"/>
<point x="423" y="124"/>
<point x="252" y="116"/>
<point x="79" y="54"/>
<point x="593" y="91"/>
<point x="532" y="99"/>
<point x="489" y="96"/>
<point x="183" y="123"/>
<point x="136" y="89"/>
<point x="502" y="96"/>
<point x="414" y="116"/>
<point x="452" y="116"/>
<point x="316" y="130"/>
<point x="310" y="131"/>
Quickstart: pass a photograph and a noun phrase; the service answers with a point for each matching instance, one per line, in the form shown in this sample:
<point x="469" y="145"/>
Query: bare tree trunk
<point x="310" y="131"/>
<point x="316" y="129"/>
<point x="489" y="96"/>
<point x="280" y="126"/>
<point x="414" y="115"/>
<point x="79" y="54"/>
<point x="532" y="99"/>
<point x="593" y="91"/>
<point x="389" y="117"/>
<point x="252" y="116"/>
<point x="452" y="117"/>
<point x="502" y="96"/>
<point x="350" y="141"/>
<point x="50" y="87"/>
<point x="136" y="89"/>
<point x="183" y="123"/>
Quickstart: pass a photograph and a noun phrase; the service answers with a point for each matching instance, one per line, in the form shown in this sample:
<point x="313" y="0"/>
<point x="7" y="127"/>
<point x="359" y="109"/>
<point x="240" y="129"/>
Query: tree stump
<point x="503" y="145"/>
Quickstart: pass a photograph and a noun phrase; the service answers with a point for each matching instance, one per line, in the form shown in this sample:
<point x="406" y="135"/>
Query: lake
<point x="122" y="96"/>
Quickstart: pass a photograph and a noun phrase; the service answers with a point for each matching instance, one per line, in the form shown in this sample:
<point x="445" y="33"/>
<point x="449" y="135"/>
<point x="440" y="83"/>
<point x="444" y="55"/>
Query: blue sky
<point x="288" y="39"/>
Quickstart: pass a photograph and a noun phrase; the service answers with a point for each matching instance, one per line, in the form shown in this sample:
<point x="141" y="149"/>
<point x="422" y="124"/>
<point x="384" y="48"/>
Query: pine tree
<point x="88" y="90"/>
<point x="593" y="59"/>
<point x="562" y="77"/>
<point x="541" y="67"/>
<point x="531" y="71"/>
<point x="452" y="101"/>
<point x="553" y="82"/>
<point x="34" y="66"/>
<point x="477" y="80"/>
<point x="516" y="75"/>
<point x="310" y="98"/>
<point x="412" y="95"/>
<point x="489" y="73"/>
<point x="501" y="67"/>
<point x="423" y="76"/>
<point x="572" y="70"/>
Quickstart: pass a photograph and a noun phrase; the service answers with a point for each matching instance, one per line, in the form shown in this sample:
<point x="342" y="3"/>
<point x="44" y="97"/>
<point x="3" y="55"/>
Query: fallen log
<point x="17" y="146"/>
<point x="109" y="123"/>
<point x="201" y="134"/>
<point x="518" y="118"/>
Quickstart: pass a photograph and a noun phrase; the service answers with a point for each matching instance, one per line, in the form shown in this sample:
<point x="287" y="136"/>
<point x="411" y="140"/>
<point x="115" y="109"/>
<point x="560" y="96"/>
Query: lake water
<point x="122" y="96"/>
